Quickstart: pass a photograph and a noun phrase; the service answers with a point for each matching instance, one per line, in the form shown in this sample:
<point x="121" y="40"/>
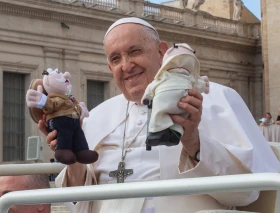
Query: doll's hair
<point x="45" y="72"/>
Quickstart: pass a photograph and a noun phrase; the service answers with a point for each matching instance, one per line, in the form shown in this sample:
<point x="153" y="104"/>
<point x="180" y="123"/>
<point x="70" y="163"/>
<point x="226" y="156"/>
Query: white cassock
<point x="230" y="143"/>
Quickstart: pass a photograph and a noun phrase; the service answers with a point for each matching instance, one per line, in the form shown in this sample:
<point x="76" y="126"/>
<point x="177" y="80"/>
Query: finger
<point x="195" y="94"/>
<point x="40" y="89"/>
<point x="192" y="101"/>
<point x="178" y="119"/>
<point x="42" y="127"/>
<point x="32" y="98"/>
<point x="193" y="111"/>
<point x="53" y="144"/>
<point x="51" y="136"/>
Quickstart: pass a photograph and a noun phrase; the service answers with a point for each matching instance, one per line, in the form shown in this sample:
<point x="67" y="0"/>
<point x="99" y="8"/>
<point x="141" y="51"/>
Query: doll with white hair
<point x="63" y="114"/>
<point x="179" y="73"/>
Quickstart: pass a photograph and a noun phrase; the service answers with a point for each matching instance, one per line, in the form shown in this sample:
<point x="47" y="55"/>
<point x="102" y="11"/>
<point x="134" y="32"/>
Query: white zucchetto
<point x="130" y="20"/>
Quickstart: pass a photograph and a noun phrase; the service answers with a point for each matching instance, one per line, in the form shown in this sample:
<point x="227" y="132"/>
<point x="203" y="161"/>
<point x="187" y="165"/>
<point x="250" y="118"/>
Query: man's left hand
<point x="193" y="105"/>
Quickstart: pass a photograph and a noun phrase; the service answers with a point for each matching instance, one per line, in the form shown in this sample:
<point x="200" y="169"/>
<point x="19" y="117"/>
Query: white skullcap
<point x="130" y="20"/>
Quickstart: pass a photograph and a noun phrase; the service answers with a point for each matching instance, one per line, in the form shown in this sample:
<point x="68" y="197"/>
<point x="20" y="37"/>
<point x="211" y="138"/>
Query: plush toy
<point x="63" y="113"/>
<point x="179" y="73"/>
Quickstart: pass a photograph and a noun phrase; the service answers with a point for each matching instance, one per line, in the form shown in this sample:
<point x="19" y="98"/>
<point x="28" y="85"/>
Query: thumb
<point x="40" y="89"/>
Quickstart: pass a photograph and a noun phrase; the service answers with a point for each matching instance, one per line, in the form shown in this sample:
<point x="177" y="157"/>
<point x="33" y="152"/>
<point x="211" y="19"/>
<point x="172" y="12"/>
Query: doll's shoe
<point x="65" y="156"/>
<point x="36" y="113"/>
<point x="165" y="137"/>
<point x="86" y="156"/>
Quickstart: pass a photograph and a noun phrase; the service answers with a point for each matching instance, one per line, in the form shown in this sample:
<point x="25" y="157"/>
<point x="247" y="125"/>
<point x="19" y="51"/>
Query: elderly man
<point x="26" y="182"/>
<point x="216" y="140"/>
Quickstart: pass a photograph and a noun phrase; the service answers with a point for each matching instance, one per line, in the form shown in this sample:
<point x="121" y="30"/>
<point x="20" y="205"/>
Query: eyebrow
<point x="130" y="48"/>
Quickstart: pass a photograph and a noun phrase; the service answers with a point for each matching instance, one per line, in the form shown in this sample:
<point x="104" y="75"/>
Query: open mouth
<point x="133" y="77"/>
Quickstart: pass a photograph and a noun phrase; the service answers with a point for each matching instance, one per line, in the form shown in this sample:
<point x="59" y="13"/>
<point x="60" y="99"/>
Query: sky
<point x="253" y="5"/>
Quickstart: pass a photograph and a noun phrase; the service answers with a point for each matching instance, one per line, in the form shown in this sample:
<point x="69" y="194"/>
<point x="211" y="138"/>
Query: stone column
<point x="1" y="117"/>
<point x="198" y="20"/>
<point x="53" y="58"/>
<point x="125" y="7"/>
<point x="139" y="8"/>
<point x="189" y="17"/>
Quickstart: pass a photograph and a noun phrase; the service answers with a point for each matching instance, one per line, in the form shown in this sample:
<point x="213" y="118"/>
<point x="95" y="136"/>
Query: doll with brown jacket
<point x="63" y="113"/>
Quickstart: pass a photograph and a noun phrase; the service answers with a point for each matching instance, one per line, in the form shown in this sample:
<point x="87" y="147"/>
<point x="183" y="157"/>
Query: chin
<point x="135" y="96"/>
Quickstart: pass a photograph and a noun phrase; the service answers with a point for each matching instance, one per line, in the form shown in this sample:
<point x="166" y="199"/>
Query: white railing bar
<point x="204" y="185"/>
<point x="28" y="169"/>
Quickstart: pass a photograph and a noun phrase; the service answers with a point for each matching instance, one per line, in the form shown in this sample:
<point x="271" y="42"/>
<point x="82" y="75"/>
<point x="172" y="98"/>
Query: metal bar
<point x="204" y="185"/>
<point x="29" y="169"/>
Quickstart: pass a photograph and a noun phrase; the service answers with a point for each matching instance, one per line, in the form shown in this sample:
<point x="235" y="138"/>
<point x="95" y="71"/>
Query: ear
<point x="163" y="47"/>
<point x="42" y="207"/>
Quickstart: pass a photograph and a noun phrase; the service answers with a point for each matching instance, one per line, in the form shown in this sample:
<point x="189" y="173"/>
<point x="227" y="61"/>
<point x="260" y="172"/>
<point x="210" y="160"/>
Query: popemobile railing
<point x="27" y="169"/>
<point x="203" y="185"/>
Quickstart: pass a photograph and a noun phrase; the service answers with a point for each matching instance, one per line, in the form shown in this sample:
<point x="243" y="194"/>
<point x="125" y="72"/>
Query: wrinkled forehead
<point x="125" y="31"/>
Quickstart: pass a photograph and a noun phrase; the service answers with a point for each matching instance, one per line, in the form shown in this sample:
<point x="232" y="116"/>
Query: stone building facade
<point x="270" y="48"/>
<point x="68" y="34"/>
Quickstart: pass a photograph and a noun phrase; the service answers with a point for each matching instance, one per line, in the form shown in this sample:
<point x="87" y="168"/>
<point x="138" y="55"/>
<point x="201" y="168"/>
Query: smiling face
<point x="134" y="57"/>
<point x="57" y="82"/>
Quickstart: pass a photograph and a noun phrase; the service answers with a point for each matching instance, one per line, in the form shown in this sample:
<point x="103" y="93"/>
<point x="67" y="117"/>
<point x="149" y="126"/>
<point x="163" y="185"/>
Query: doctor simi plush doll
<point x="63" y="113"/>
<point x="179" y="73"/>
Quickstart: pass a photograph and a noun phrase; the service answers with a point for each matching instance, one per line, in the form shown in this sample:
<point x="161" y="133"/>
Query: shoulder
<point x="109" y="104"/>
<point x="218" y="91"/>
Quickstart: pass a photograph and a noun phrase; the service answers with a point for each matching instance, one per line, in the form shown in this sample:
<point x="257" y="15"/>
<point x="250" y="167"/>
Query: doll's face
<point x="57" y="82"/>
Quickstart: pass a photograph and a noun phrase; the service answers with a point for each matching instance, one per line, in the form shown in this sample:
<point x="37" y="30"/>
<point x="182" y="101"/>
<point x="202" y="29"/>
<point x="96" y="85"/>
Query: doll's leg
<point x="63" y="149"/>
<point x="80" y="146"/>
<point x="162" y="130"/>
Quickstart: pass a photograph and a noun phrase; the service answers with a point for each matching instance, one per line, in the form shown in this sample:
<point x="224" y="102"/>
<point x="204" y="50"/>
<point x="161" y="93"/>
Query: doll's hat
<point x="181" y="55"/>
<point x="36" y="113"/>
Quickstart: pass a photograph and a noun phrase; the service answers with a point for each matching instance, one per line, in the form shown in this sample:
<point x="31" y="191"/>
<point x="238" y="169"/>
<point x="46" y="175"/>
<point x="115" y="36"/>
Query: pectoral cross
<point x="121" y="173"/>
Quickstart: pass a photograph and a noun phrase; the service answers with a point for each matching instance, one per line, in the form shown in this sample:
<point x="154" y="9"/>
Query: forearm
<point x="191" y="143"/>
<point x="76" y="174"/>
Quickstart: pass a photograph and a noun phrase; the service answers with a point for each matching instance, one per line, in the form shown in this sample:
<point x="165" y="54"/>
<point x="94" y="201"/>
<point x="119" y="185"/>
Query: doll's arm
<point x="84" y="110"/>
<point x="36" y="99"/>
<point x="149" y="92"/>
<point x="203" y="84"/>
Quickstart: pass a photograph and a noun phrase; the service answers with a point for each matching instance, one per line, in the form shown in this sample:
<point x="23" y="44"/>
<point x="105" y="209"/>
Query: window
<point x="13" y="116"/>
<point x="95" y="93"/>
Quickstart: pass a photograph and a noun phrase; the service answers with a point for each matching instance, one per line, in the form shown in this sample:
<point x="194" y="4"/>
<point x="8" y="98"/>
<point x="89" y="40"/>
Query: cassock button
<point x="139" y="123"/>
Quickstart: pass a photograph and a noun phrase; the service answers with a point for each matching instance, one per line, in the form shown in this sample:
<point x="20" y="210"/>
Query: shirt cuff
<point x="42" y="102"/>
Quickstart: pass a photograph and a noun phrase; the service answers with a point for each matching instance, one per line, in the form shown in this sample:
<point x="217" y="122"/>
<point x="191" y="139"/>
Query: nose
<point x="127" y="64"/>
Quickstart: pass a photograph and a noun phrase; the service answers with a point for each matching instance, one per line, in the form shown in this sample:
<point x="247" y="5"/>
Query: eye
<point x="135" y="51"/>
<point x="115" y="59"/>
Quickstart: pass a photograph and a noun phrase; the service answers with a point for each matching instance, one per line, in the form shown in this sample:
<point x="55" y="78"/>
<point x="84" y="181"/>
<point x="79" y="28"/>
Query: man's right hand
<point x="51" y="137"/>
<point x="74" y="171"/>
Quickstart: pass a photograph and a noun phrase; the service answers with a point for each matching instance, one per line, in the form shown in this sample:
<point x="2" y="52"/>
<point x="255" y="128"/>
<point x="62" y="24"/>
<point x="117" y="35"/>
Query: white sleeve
<point x="215" y="160"/>
<point x="79" y="207"/>
<point x="231" y="143"/>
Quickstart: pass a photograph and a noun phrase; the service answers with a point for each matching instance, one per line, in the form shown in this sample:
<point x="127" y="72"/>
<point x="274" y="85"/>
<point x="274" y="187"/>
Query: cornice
<point x="101" y="19"/>
<point x="64" y="13"/>
<point x="18" y="67"/>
